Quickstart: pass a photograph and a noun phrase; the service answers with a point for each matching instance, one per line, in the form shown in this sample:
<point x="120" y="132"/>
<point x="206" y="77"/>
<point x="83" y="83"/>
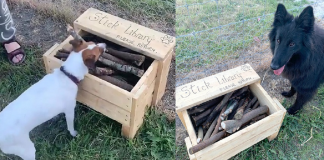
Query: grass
<point x="211" y="31"/>
<point x="292" y="141"/>
<point x="99" y="137"/>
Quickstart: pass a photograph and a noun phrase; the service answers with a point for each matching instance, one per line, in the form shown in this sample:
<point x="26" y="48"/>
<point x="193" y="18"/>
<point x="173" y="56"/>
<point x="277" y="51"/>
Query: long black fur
<point x="298" y="43"/>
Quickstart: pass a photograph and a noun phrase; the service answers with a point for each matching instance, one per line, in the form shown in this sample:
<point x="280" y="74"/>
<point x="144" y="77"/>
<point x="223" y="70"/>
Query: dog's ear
<point x="75" y="43"/>
<point x="89" y="59"/>
<point x="306" y="19"/>
<point x="281" y="16"/>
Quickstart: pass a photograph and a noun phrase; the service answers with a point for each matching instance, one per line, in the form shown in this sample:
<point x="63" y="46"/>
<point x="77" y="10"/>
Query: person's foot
<point x="14" y="52"/>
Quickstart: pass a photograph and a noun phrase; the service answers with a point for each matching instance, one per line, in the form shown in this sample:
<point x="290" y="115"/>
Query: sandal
<point x="13" y="48"/>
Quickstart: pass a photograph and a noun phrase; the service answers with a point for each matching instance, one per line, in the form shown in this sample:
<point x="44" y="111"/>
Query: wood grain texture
<point x="162" y="78"/>
<point x="106" y="108"/>
<point x="208" y="88"/>
<point x="126" y="33"/>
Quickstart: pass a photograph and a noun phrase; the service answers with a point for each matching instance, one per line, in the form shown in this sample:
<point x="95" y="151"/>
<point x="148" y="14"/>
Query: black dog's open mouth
<point x="279" y="71"/>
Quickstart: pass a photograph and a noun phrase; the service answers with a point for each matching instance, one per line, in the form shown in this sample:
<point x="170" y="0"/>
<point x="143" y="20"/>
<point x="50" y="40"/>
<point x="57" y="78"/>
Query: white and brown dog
<point x="55" y="93"/>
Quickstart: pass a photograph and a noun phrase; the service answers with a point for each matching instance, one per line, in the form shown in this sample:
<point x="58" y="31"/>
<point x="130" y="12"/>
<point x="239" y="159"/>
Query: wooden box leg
<point x="273" y="136"/>
<point x="162" y="76"/>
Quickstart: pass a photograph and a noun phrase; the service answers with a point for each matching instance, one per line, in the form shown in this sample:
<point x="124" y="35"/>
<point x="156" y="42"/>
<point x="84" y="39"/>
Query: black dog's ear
<point x="306" y="19"/>
<point x="282" y="16"/>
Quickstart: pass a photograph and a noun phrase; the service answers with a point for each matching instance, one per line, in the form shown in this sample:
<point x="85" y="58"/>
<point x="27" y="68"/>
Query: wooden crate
<point x="125" y="107"/>
<point x="211" y="87"/>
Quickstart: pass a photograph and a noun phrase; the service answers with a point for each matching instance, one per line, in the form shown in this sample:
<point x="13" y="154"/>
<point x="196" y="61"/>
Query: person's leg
<point x="7" y="35"/>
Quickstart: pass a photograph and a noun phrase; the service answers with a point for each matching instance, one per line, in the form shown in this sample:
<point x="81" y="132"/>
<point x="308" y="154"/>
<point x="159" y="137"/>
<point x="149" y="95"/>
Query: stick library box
<point x="203" y="90"/>
<point x="125" y="107"/>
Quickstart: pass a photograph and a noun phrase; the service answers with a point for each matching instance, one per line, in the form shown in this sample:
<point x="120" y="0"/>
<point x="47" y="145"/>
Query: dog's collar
<point x="73" y="78"/>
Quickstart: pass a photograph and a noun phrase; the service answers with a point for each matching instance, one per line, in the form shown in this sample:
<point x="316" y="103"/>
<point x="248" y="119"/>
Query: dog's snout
<point x="102" y="45"/>
<point x="274" y="66"/>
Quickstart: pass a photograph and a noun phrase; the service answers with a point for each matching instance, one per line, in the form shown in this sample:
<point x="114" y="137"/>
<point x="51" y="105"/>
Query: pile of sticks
<point x="222" y="116"/>
<point x="113" y="66"/>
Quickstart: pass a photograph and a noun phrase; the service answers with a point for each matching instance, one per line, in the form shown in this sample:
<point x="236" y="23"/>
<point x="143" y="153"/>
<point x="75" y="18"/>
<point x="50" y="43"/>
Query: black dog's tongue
<point x="279" y="71"/>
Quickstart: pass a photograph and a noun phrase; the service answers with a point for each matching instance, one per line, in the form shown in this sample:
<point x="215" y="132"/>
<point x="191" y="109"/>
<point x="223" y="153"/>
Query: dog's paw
<point x="292" y="111"/>
<point x="74" y="133"/>
<point x="287" y="94"/>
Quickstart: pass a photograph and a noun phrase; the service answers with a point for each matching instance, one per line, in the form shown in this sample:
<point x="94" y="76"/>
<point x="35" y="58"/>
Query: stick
<point x="202" y="117"/>
<point x="213" y="114"/>
<point x="255" y="105"/>
<point x="206" y="143"/>
<point x="64" y="51"/>
<point x="136" y="58"/>
<point x="210" y="129"/>
<point x="117" y="82"/>
<point x="100" y="71"/>
<point x="258" y="118"/>
<point x="120" y="67"/>
<point x="200" y="135"/>
<point x="247" y="111"/>
<point x="218" y="122"/>
<point x="73" y="33"/>
<point x="240" y="110"/>
<point x="239" y="92"/>
<point x="229" y="110"/>
<point x="60" y="55"/>
<point x="233" y="125"/>
<point x="234" y="111"/>
<point x="113" y="58"/>
<point x="204" y="106"/>
<point x="252" y="102"/>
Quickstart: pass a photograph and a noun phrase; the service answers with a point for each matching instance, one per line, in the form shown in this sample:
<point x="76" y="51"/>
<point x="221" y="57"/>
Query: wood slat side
<point x="107" y="91"/>
<point x="264" y="97"/>
<point x="148" y="77"/>
<point x="106" y="108"/>
<point x="162" y="77"/>
<point x="239" y="148"/>
<point x="241" y="136"/>
<point x="208" y="88"/>
<point x="46" y="57"/>
<point x="141" y="101"/>
<point x="190" y="128"/>
<point x="126" y="33"/>
<point x="188" y="144"/>
<point x="273" y="136"/>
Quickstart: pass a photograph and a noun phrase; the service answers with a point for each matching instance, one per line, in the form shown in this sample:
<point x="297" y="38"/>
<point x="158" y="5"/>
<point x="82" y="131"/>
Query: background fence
<point x="217" y="35"/>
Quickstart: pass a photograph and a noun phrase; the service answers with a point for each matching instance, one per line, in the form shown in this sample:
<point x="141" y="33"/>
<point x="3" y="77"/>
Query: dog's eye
<point x="278" y="41"/>
<point x="291" y="44"/>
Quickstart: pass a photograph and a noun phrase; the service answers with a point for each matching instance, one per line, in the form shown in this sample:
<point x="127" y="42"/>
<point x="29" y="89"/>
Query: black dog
<point x="297" y="45"/>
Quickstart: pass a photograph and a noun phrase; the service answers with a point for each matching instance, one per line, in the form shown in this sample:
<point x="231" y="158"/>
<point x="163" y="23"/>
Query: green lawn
<point x="99" y="137"/>
<point x="210" y="31"/>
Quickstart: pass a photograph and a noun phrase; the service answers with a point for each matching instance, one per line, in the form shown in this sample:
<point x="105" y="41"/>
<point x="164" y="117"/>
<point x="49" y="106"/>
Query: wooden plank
<point x="264" y="97"/>
<point x="239" y="148"/>
<point x="141" y="100"/>
<point x="190" y="128"/>
<point x="162" y="77"/>
<point x="273" y="136"/>
<point x="148" y="77"/>
<point x="180" y="115"/>
<point x="242" y="136"/>
<point x="46" y="54"/>
<point x="107" y="91"/>
<point x="106" y="108"/>
<point x="188" y="144"/>
<point x="126" y="33"/>
<point x="208" y="88"/>
<point x="53" y="63"/>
